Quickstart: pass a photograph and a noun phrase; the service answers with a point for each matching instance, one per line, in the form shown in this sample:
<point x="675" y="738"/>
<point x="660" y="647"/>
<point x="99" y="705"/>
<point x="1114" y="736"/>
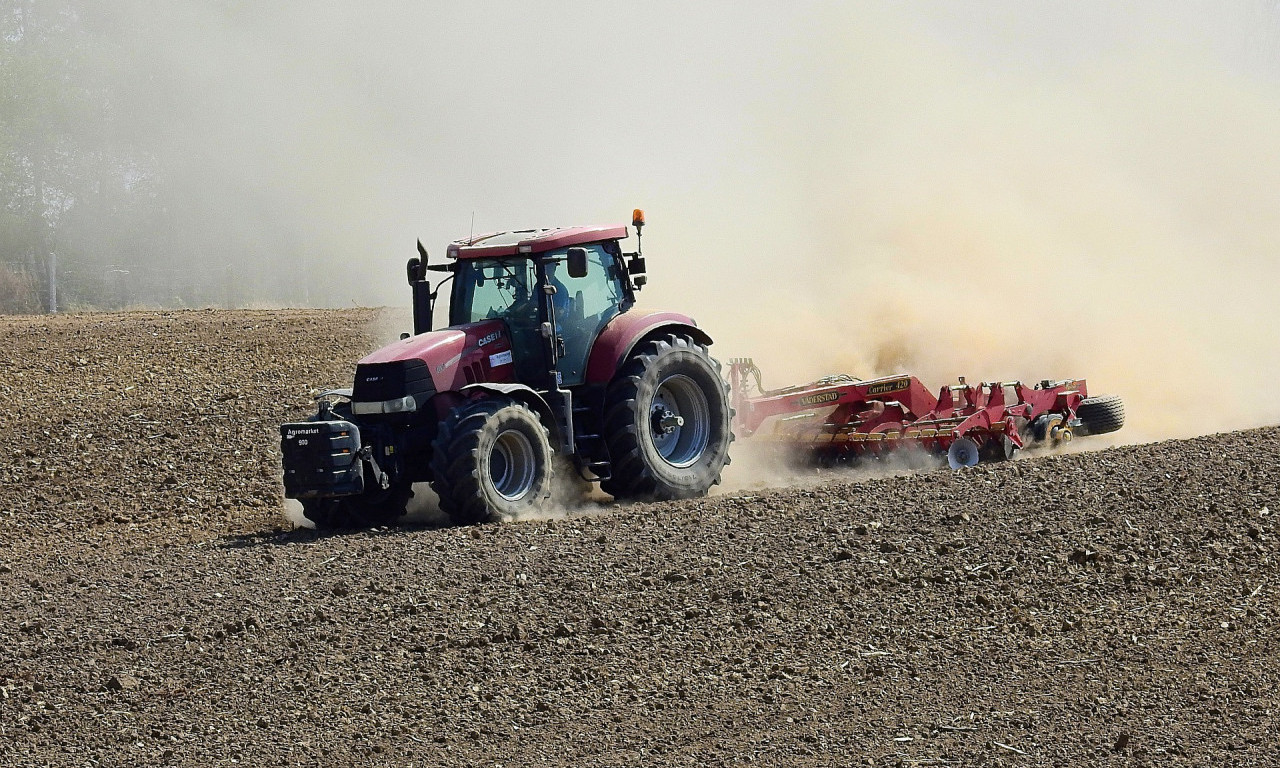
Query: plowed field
<point x="156" y="608"/>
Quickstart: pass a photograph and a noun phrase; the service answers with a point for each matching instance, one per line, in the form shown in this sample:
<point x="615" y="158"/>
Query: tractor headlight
<point x="404" y="404"/>
<point x="400" y="405"/>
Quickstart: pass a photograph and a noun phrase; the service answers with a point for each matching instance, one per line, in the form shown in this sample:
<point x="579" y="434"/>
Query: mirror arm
<point x="436" y="292"/>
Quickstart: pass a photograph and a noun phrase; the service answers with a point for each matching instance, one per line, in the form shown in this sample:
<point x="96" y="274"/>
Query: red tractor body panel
<point x="531" y="241"/>
<point x="458" y="356"/>
<point x="620" y="336"/>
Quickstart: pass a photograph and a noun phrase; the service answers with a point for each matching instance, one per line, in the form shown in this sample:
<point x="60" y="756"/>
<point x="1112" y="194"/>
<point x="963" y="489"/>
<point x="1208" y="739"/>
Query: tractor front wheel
<point x="326" y="514"/>
<point x="491" y="461"/>
<point x="667" y="422"/>
<point x="373" y="507"/>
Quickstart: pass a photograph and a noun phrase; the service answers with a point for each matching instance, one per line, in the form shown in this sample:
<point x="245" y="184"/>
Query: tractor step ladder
<point x="592" y="445"/>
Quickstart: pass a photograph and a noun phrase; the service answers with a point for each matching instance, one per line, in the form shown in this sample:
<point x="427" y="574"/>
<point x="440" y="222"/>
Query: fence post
<point x="53" y="282"/>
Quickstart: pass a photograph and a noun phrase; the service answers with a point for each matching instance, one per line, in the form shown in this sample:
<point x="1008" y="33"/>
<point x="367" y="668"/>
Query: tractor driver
<point x="524" y="306"/>
<point x="522" y="322"/>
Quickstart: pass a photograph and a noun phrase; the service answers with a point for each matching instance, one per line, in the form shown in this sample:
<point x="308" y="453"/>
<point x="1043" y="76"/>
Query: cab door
<point x="583" y="306"/>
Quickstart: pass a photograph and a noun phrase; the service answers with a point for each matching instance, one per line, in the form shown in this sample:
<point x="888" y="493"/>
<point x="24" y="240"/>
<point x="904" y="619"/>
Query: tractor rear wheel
<point x="491" y="461"/>
<point x="667" y="422"/>
<point x="1100" y="415"/>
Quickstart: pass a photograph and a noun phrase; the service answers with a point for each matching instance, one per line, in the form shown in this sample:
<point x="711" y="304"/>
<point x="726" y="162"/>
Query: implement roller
<point x="841" y="419"/>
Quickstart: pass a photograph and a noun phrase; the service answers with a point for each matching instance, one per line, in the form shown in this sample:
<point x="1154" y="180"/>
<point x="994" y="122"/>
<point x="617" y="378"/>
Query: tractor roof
<point x="524" y="242"/>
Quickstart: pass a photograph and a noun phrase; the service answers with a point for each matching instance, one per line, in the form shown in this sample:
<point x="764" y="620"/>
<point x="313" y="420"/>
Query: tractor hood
<point x="449" y="359"/>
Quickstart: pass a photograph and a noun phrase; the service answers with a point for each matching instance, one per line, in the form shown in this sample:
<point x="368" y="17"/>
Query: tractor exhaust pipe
<point x="421" y="307"/>
<point x="416" y="271"/>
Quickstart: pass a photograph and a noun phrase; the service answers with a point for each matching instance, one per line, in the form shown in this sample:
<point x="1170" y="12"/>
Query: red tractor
<point x="544" y="357"/>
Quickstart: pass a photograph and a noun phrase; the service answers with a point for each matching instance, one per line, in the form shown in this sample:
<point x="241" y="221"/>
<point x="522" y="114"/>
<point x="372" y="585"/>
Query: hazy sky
<point x="993" y="189"/>
<point x="355" y="128"/>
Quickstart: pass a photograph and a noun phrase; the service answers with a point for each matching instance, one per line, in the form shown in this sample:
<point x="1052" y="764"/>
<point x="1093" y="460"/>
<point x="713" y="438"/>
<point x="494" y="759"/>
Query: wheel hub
<point x="679" y="421"/>
<point x="665" y="422"/>
<point x="512" y="466"/>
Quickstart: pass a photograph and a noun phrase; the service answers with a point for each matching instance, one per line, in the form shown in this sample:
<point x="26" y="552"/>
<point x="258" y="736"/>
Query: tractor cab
<point x="555" y="289"/>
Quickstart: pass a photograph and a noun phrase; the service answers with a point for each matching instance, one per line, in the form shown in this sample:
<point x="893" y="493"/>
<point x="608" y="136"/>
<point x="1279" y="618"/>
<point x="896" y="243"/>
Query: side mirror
<point x="413" y="270"/>
<point x="636" y="266"/>
<point x="577" y="262"/>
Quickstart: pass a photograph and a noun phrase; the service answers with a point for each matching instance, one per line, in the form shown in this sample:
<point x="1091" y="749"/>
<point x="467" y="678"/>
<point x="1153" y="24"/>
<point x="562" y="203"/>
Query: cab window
<point x="597" y="294"/>
<point x="489" y="288"/>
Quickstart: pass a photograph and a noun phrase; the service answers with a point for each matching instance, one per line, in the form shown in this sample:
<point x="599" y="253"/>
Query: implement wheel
<point x="1100" y="415"/>
<point x="1043" y="428"/>
<point x="491" y="461"/>
<point x="998" y="448"/>
<point x="667" y="422"/>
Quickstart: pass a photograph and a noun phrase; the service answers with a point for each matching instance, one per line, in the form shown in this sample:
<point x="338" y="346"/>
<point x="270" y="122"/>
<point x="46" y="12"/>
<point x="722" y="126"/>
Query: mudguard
<point x="524" y="394"/>
<point x="624" y="332"/>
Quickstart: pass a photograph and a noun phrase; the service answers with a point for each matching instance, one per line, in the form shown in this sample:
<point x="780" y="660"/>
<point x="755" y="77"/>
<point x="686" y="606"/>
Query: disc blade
<point x="963" y="453"/>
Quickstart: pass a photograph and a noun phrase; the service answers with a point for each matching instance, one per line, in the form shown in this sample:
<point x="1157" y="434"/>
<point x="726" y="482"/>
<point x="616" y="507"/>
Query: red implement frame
<point x="843" y="417"/>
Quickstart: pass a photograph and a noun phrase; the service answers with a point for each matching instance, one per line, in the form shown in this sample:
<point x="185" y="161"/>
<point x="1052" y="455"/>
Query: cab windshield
<point x="488" y="288"/>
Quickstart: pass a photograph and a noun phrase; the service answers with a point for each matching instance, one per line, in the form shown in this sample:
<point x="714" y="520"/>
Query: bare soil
<point x="1117" y="607"/>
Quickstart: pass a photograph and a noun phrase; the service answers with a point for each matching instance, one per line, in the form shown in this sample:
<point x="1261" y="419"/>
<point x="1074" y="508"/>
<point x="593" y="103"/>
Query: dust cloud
<point x="945" y="206"/>
<point x="1000" y="191"/>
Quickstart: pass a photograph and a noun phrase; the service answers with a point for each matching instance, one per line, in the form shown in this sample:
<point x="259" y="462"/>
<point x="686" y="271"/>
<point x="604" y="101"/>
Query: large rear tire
<point x="1100" y="415"/>
<point x="491" y="461"/>
<point x="667" y="422"/>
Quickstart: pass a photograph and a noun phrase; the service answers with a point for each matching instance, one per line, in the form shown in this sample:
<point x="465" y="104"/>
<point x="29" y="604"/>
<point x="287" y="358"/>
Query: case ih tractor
<point x="544" y="358"/>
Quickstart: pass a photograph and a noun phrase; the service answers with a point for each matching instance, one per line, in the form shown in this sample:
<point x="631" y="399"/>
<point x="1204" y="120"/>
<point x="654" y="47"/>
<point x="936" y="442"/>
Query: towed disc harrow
<point x="841" y="419"/>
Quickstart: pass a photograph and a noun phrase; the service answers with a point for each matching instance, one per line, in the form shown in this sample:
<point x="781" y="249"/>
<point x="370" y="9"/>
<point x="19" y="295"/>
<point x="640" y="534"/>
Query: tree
<point x="64" y="180"/>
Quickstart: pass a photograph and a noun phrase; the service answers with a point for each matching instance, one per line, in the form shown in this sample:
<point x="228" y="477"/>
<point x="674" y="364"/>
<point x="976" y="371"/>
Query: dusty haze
<point x="1017" y="191"/>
